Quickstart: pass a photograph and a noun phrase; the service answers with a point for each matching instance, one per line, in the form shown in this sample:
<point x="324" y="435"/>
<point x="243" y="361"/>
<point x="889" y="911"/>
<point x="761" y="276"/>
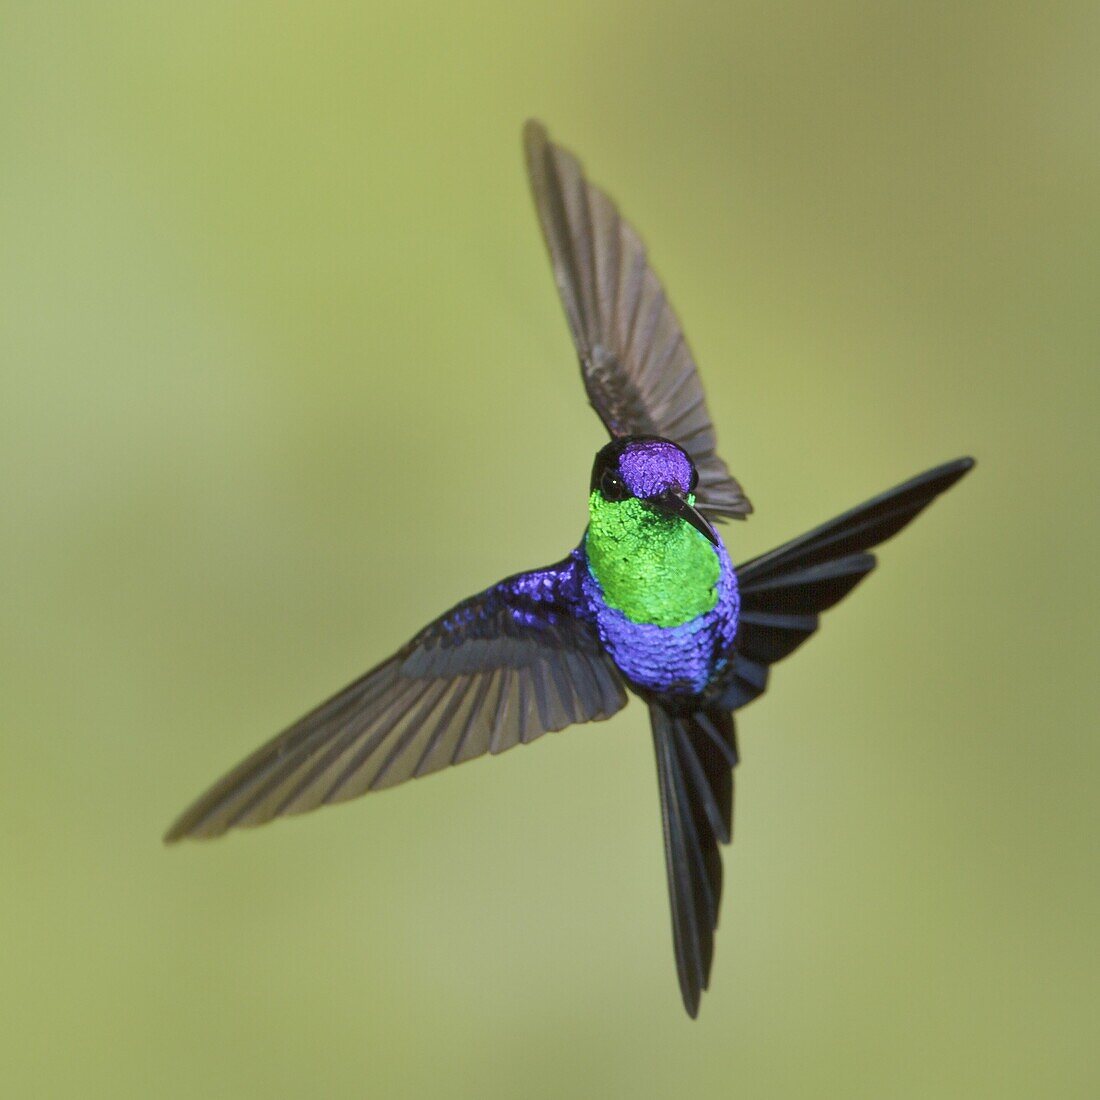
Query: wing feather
<point x="637" y="367"/>
<point x="784" y="591"/>
<point x="497" y="670"/>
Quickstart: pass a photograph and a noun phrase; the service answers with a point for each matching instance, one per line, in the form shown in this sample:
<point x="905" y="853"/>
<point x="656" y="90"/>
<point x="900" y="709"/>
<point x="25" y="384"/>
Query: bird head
<point x="655" y="471"/>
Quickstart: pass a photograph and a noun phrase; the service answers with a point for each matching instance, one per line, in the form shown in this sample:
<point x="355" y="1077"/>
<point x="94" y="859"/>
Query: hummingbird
<point x="648" y="603"/>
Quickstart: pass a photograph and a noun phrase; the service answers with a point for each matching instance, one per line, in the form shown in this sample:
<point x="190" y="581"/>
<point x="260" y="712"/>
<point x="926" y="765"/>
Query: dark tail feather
<point x="784" y="591"/>
<point x="696" y="753"/>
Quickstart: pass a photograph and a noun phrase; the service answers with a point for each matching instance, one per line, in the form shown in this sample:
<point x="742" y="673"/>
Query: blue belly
<point x="680" y="660"/>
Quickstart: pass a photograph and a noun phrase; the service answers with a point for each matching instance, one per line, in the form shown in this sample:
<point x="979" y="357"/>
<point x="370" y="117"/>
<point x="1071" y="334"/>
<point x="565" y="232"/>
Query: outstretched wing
<point x="497" y="670"/>
<point x="638" y="370"/>
<point x="784" y="591"/>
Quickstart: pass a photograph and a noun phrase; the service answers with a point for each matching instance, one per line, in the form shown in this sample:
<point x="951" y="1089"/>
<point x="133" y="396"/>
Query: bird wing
<point x="638" y="369"/>
<point x="497" y="670"/>
<point x="784" y="591"/>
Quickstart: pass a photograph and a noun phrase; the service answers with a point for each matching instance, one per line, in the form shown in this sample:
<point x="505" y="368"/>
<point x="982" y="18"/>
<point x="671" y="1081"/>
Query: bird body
<point x="663" y="595"/>
<point x="648" y="602"/>
<point x="655" y="569"/>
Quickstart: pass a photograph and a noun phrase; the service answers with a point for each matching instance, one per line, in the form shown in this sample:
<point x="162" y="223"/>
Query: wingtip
<point x="182" y="831"/>
<point x="951" y="472"/>
<point x="534" y="133"/>
<point x="960" y="465"/>
<point x="177" y="831"/>
<point x="188" y="828"/>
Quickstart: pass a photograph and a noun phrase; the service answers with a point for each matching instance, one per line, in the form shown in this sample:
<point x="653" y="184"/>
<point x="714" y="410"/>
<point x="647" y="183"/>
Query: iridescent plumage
<point x="648" y="601"/>
<point x="663" y="596"/>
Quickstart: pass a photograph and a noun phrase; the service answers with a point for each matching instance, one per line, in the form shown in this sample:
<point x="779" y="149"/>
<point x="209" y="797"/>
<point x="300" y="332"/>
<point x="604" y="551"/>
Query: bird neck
<point x="653" y="568"/>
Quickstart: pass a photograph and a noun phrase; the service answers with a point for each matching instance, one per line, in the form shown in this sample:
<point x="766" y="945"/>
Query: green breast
<point x="653" y="568"/>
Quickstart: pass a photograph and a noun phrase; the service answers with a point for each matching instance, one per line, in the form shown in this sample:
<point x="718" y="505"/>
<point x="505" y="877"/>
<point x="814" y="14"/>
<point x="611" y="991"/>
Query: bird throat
<point x="653" y="568"/>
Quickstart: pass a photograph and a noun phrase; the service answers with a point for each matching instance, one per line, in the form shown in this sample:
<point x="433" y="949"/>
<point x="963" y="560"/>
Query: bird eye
<point x="612" y="486"/>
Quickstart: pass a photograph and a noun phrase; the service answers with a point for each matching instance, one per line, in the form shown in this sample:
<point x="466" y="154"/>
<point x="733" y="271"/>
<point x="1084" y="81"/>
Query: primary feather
<point x="497" y="670"/>
<point x="638" y="370"/>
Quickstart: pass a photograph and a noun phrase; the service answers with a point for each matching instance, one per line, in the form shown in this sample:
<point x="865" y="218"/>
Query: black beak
<point x="673" y="503"/>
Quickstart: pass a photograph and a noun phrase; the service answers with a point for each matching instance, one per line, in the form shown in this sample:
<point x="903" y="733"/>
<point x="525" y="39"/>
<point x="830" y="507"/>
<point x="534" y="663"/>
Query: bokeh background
<point x="284" y="375"/>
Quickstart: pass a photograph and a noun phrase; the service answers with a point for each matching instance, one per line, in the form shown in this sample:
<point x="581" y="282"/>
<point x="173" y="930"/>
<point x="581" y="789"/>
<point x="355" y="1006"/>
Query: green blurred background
<point x="284" y="375"/>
